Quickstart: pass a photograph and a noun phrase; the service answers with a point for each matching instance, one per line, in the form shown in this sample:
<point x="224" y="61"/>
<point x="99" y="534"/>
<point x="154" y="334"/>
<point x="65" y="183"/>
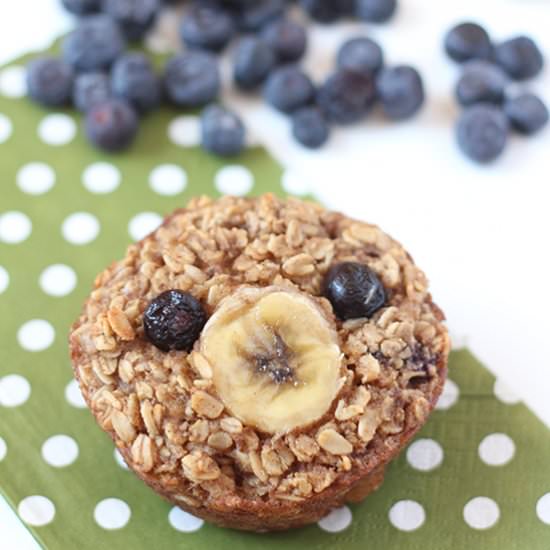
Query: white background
<point x="480" y="233"/>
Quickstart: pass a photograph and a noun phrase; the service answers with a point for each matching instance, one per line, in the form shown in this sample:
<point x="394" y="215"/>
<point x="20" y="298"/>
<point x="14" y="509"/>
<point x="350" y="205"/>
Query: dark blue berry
<point x="254" y="15"/>
<point x="50" y="81"/>
<point x="112" y="125"/>
<point x="286" y="38"/>
<point x="354" y="290"/>
<point x="207" y="26"/>
<point x="375" y="11"/>
<point x="192" y="79"/>
<point x="361" y="55"/>
<point x="82" y="7"/>
<point x="527" y="113"/>
<point x="135" y="17"/>
<point x="520" y="57"/>
<point x="328" y="11"/>
<point x="310" y="127"/>
<point x="133" y="79"/>
<point x="482" y="132"/>
<point x="400" y="90"/>
<point x="468" y="41"/>
<point x="288" y="88"/>
<point x="223" y="132"/>
<point x="90" y="89"/>
<point x="254" y="59"/>
<point x="94" y="44"/>
<point x="174" y="320"/>
<point x="480" y="82"/>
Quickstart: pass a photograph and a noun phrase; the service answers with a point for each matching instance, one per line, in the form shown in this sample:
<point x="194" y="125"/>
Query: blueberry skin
<point x="134" y="80"/>
<point x="94" y="44"/>
<point x="482" y="132"/>
<point x="112" y="125"/>
<point x="223" y="132"/>
<point x="520" y="57"/>
<point x="82" y="7"/>
<point x="50" y="81"/>
<point x="288" y="88"/>
<point x="328" y="11"/>
<point x="287" y="39"/>
<point x="135" y="17"/>
<point x="361" y="55"/>
<point x="375" y="11"/>
<point x="207" y="26"/>
<point x="400" y="91"/>
<point x="527" y="113"/>
<point x="468" y="41"/>
<point x="192" y="79"/>
<point x="90" y="89"/>
<point x="253" y="16"/>
<point x="481" y="82"/>
<point x="309" y="127"/>
<point x="253" y="61"/>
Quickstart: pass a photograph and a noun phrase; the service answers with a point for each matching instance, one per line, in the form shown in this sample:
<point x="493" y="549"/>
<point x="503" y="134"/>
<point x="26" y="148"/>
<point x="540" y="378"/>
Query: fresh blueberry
<point x="111" y="125"/>
<point x="50" y="81"/>
<point x="520" y="57"/>
<point x="254" y="59"/>
<point x="174" y="320"/>
<point x="346" y="96"/>
<point x="90" y="89"/>
<point x="133" y="79"/>
<point x="310" y="127"/>
<point x="94" y="44"/>
<point x="480" y="82"/>
<point x="192" y="79"/>
<point x="527" y="113"/>
<point x="468" y="41"/>
<point x="286" y="38"/>
<point x="254" y="15"/>
<point x="135" y="17"/>
<point x="223" y="132"/>
<point x="328" y="11"/>
<point x="288" y="88"/>
<point x="82" y="7"/>
<point x="375" y="11"/>
<point x="482" y="132"/>
<point x="207" y="26"/>
<point x="400" y="91"/>
<point x="354" y="290"/>
<point x="361" y="55"/>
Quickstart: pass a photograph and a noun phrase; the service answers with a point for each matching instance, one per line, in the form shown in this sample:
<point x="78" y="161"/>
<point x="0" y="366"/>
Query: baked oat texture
<point x="162" y="411"/>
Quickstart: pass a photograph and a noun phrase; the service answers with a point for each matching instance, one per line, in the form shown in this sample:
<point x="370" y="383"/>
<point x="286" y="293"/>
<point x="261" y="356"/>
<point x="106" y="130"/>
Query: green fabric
<point x="76" y="489"/>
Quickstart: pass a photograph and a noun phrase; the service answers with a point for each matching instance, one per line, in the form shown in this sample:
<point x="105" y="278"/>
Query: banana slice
<point x="275" y="358"/>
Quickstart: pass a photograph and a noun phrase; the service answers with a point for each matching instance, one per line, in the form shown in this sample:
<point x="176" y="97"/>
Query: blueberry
<point x="400" y="90"/>
<point x="254" y="15"/>
<point x="135" y="17"/>
<point x="286" y="38"/>
<point x="480" y="82"/>
<point x="207" y="26"/>
<point x="90" y="89"/>
<point x="254" y="59"/>
<point x="346" y="96"/>
<point x="520" y="57"/>
<point x="174" y="320"/>
<point x="82" y="7"/>
<point x="133" y="79"/>
<point x="375" y="11"/>
<point x="94" y="44"/>
<point x="354" y="290"/>
<point x="482" y="132"/>
<point x="192" y="79"/>
<point x="111" y="125"/>
<point x="309" y="127"/>
<point x="527" y="113"/>
<point x="223" y="132"/>
<point x="289" y="88"/>
<point x="468" y="41"/>
<point x="327" y="11"/>
<point x="361" y="55"/>
<point x="50" y="81"/>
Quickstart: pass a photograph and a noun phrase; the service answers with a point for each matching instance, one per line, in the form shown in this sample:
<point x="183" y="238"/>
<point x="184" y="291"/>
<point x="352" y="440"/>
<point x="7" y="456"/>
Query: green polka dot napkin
<point x="476" y="477"/>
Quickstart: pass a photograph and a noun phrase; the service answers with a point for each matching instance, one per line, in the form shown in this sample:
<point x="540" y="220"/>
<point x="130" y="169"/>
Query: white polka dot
<point x="14" y="390"/>
<point x="36" y="335"/>
<point x="80" y="228"/>
<point x="168" y="179"/>
<point x="58" y="280"/>
<point x="295" y="183"/>
<point x="496" y="449"/>
<point x="57" y="129"/>
<point x="3" y="449"/>
<point x="425" y="455"/>
<point x="142" y="224"/>
<point x="6" y="128"/>
<point x="35" y="178"/>
<point x="60" y="450"/>
<point x="543" y="508"/>
<point x="185" y="131"/>
<point x="234" y="180"/>
<point x="73" y="395"/>
<point x="449" y="396"/>
<point x="36" y="510"/>
<point x="13" y="82"/>
<point x="15" y="227"/>
<point x="336" y="521"/>
<point x="407" y="515"/>
<point x="504" y="393"/>
<point x="101" y="177"/>
<point x="184" y="522"/>
<point x="119" y="460"/>
<point x="112" y="513"/>
<point x="4" y="279"/>
<point x="481" y="513"/>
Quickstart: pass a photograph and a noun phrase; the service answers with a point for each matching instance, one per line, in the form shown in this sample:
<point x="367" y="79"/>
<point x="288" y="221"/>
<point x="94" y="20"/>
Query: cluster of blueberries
<point x="483" y="89"/>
